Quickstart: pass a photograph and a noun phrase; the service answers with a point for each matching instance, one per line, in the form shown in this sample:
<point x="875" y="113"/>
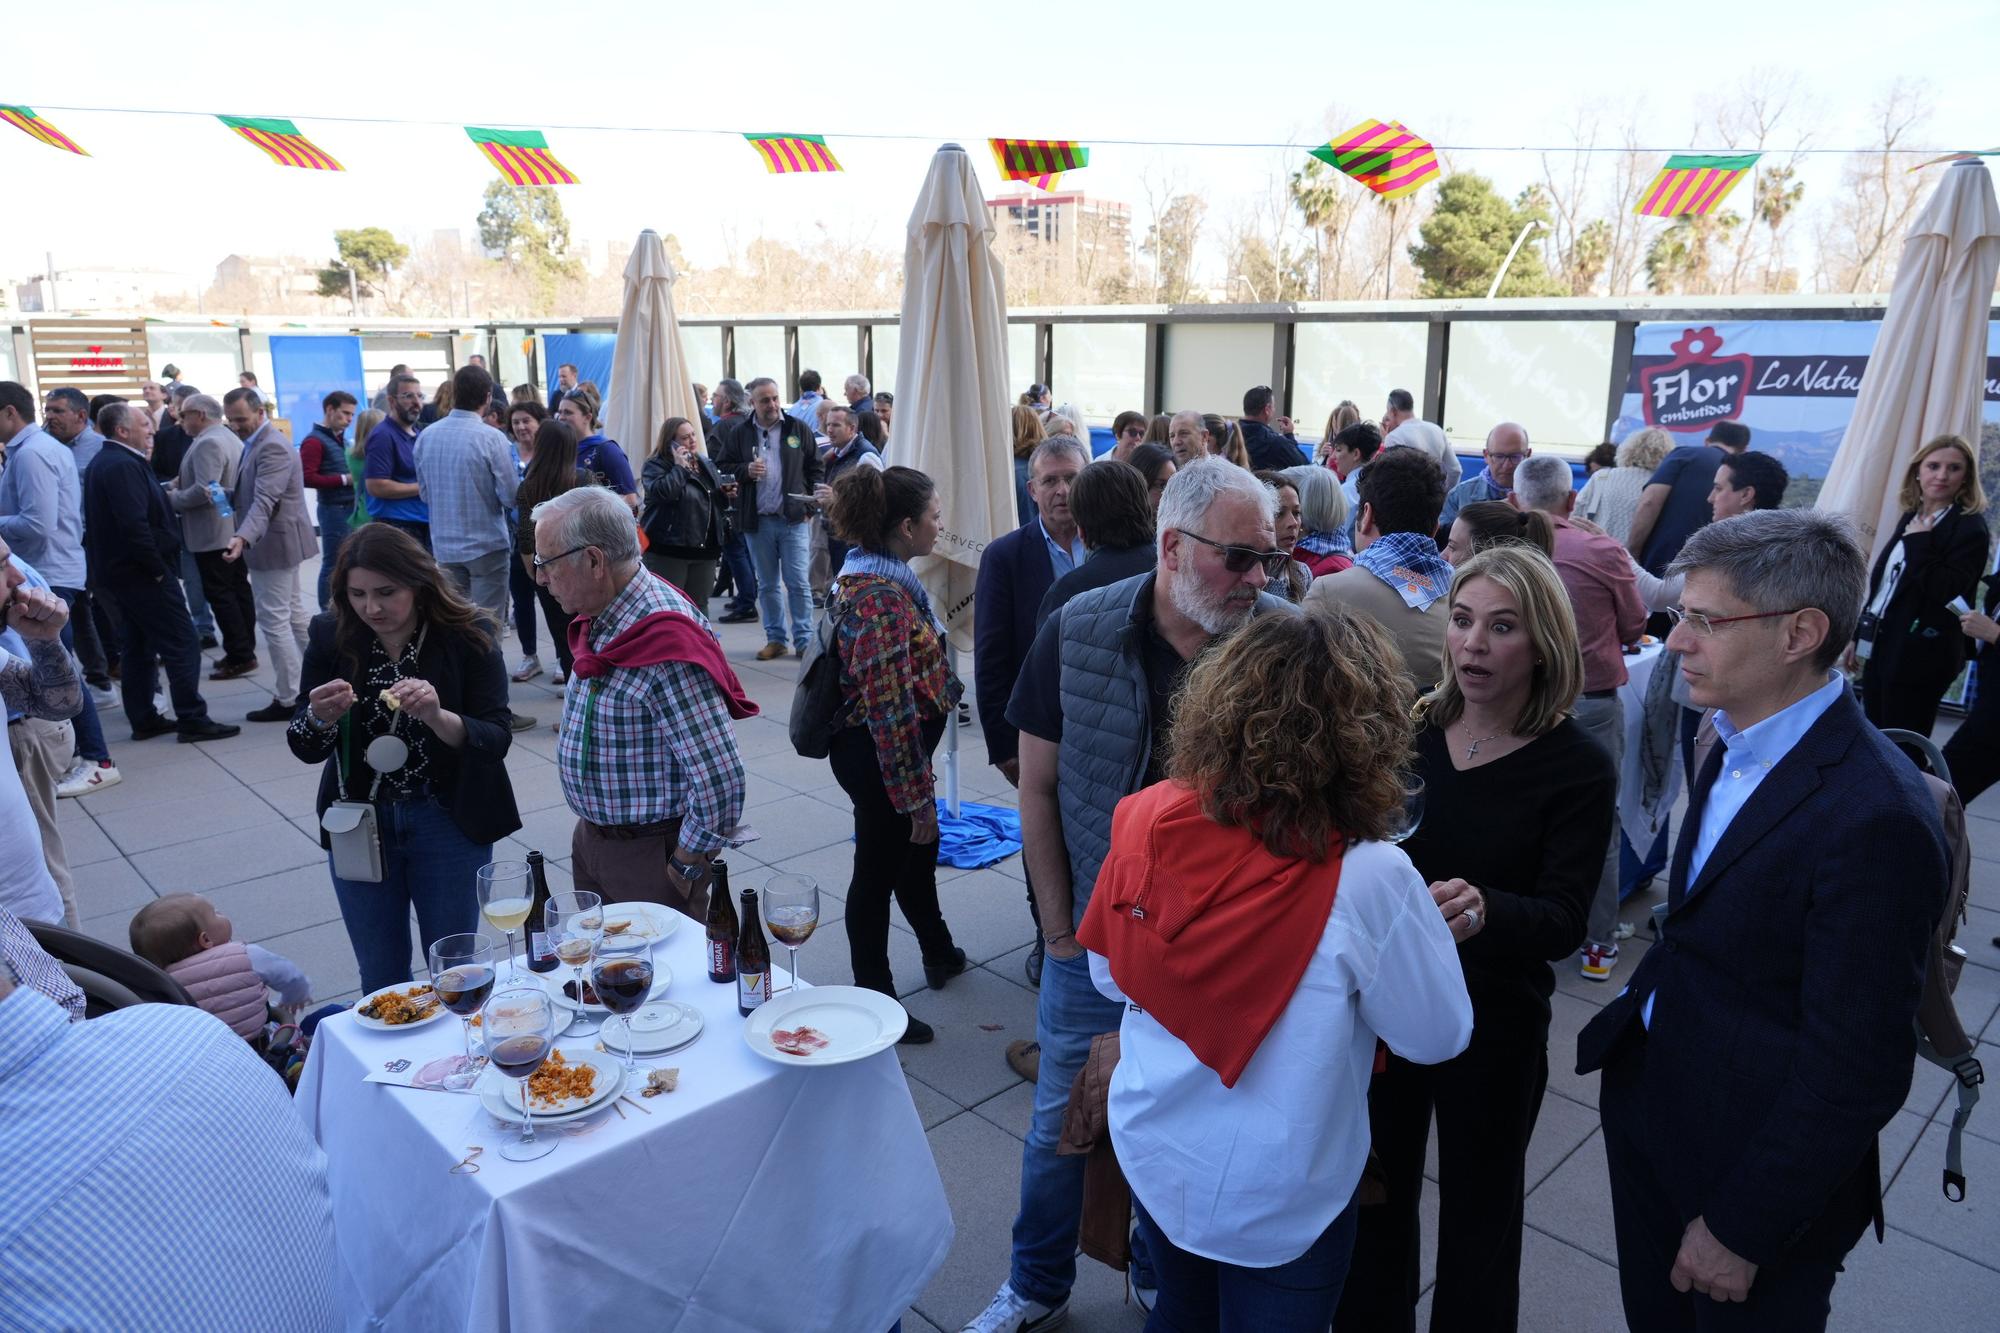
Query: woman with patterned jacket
<point x="898" y="692"/>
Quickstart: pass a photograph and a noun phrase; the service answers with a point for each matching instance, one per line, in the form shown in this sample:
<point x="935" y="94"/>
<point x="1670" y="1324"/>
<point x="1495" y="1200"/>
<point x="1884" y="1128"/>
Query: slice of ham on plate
<point x="801" y="1041"/>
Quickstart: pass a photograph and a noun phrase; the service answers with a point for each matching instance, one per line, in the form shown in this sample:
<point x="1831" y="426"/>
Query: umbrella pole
<point x="951" y="747"/>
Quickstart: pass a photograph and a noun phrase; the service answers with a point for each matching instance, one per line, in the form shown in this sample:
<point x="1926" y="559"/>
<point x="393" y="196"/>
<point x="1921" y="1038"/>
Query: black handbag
<point x="817" y="700"/>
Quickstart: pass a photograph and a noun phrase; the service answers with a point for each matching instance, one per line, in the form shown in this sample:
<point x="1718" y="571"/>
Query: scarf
<point x="1410" y="563"/>
<point x="662" y="636"/>
<point x="1203" y="928"/>
<point x="862" y="561"/>
<point x="1325" y="543"/>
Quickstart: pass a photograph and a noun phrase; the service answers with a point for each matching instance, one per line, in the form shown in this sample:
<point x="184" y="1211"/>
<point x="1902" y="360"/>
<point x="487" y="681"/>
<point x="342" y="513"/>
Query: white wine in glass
<point x="506" y="896"/>
<point x="791" y="914"/>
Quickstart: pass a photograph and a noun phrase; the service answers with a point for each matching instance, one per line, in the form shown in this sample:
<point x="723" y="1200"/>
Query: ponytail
<point x="869" y="503"/>
<point x="1496" y="521"/>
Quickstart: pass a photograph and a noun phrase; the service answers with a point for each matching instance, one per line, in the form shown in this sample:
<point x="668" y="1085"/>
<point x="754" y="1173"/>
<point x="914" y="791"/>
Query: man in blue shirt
<point x="1506" y="446"/>
<point x="1675" y="501"/>
<point x="806" y="410"/>
<point x="467" y="479"/>
<point x="390" y="473"/>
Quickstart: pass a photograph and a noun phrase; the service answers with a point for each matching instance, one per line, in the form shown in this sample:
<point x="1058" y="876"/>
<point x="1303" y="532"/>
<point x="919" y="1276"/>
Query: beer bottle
<point x="541" y="954"/>
<point x="753" y="959"/>
<point x="721" y="925"/>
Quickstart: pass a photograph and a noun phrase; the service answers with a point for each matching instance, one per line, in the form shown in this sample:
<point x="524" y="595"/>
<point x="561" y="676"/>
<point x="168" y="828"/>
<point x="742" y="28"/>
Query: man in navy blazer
<point x="1769" y="1034"/>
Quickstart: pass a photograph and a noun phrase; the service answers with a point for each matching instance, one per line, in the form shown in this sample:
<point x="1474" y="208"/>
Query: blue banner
<point x="590" y="353"/>
<point x="306" y="369"/>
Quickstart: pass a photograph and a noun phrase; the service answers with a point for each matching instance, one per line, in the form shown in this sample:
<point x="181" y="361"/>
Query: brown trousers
<point x="628" y="864"/>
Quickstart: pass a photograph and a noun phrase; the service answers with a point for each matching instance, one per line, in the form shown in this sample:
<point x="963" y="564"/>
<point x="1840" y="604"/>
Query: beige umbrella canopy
<point x="649" y="372"/>
<point x="951" y="380"/>
<point x="1927" y="374"/>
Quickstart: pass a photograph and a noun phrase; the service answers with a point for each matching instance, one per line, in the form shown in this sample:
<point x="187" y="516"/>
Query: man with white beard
<point x="1092" y="704"/>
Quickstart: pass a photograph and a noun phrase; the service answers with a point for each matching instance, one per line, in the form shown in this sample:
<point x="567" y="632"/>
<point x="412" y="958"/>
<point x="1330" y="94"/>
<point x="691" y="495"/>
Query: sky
<point x="179" y="192"/>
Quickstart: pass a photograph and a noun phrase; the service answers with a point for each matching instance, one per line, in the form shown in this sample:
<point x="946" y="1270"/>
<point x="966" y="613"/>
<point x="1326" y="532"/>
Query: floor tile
<point x="199" y="865"/>
<point x="976" y="1015"/>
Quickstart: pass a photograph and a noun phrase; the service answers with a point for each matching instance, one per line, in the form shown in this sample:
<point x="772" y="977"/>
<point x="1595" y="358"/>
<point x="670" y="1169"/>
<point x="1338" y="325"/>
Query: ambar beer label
<point x="1698" y="386"/>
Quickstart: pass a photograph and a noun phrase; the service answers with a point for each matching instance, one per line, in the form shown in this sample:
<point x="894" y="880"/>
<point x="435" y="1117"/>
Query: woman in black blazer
<point x="401" y="653"/>
<point x="1910" y="643"/>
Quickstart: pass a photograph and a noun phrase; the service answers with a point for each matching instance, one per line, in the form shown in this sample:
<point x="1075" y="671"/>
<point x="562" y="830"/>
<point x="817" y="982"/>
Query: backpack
<point x="1941" y="1037"/>
<point x="817" y="699"/>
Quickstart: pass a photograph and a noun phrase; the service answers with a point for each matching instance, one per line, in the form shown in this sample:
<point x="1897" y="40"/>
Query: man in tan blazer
<point x="274" y="538"/>
<point x="215" y="456"/>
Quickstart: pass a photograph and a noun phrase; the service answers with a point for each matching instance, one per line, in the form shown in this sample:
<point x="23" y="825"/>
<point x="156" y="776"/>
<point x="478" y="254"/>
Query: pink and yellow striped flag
<point x="787" y="153"/>
<point x="522" y="156"/>
<point x="1039" y="162"/>
<point x="25" y="120"/>
<point x="1691" y="185"/>
<point x="1387" y="158"/>
<point x="283" y="142"/>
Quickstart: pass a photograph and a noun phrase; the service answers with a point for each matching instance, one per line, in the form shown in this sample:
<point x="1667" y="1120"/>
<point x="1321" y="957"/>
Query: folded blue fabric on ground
<point x="981" y="835"/>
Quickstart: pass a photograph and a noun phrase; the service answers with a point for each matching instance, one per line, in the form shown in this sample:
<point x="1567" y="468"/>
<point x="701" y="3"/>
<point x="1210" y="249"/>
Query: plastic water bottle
<point x="221" y="499"/>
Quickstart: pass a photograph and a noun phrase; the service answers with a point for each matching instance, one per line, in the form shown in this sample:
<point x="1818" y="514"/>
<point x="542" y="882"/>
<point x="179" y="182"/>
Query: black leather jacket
<point x="682" y="510"/>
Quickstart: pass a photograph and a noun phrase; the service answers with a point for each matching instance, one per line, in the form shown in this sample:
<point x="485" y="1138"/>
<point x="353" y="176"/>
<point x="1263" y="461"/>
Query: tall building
<point x="1090" y="235"/>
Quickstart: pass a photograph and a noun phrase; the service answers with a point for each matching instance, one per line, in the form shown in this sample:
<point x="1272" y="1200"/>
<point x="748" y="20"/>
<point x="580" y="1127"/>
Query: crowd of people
<point x="1317" y="754"/>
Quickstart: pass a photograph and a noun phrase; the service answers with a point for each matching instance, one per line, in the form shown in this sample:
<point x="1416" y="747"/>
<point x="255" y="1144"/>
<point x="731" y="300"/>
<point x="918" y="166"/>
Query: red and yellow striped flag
<point x="523" y="156"/>
<point x="25" y="120"/>
<point x="283" y="142"/>
<point x="786" y="153"/>
<point x="1691" y="186"/>
<point x="1388" y="159"/>
<point x="1039" y="162"/>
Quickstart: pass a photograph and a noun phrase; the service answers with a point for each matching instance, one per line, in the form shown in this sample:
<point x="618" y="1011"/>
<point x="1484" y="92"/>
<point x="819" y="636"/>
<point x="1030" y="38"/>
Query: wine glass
<point x="462" y="974"/>
<point x="506" y="896"/>
<point x="622" y="982"/>
<point x="1412" y="815"/>
<point x="520" y="1033"/>
<point x="791" y="913"/>
<point x="575" y="923"/>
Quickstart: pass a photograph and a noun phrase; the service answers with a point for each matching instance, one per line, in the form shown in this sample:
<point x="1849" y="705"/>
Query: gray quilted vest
<point x="1107" y="720"/>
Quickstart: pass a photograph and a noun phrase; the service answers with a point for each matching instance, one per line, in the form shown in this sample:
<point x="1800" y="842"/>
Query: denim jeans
<point x="742" y="575"/>
<point x="197" y="600"/>
<point x="89" y="731"/>
<point x="521" y="588"/>
<point x="1071" y="1011"/>
<point x="426" y="864"/>
<point x="773" y="545"/>
<point x="336" y="517"/>
<point x="1198" y="1294"/>
<point x="1603" y="719"/>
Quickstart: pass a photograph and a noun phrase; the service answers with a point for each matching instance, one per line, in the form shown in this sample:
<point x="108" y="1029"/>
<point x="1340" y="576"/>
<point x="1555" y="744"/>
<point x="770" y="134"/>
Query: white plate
<point x="855" y="1022"/>
<point x="659" y="1028"/>
<point x="377" y="1025"/>
<point x="663" y="976"/>
<point x="501" y="1096"/>
<point x="651" y="923"/>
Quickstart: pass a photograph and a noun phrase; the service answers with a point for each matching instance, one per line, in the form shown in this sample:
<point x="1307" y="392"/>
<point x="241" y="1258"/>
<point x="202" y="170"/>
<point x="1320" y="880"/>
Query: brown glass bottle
<point x="753" y="958"/>
<point x="721" y="925"/>
<point x="541" y="954"/>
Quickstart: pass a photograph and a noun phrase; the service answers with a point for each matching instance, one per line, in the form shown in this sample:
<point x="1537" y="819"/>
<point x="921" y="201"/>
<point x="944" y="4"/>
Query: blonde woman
<point x="1028" y="433"/>
<point x="1344" y="414"/>
<point x="1518" y="804"/>
<point x="1611" y="496"/>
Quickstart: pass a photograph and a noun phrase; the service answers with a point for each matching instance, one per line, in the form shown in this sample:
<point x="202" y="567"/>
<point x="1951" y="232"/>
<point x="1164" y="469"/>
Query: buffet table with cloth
<point x="753" y="1197"/>
<point x="1640" y="820"/>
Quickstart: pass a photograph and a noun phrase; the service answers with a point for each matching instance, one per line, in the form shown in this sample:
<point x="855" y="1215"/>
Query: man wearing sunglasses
<point x="1091" y="705"/>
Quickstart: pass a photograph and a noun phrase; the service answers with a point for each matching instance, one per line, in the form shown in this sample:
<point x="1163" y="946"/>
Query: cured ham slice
<point x="798" y="1041"/>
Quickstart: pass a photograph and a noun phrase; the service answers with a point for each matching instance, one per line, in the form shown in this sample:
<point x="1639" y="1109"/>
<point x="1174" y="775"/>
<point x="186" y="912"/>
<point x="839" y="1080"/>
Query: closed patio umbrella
<point x="649" y="371"/>
<point x="952" y="418"/>
<point x="1927" y="374"/>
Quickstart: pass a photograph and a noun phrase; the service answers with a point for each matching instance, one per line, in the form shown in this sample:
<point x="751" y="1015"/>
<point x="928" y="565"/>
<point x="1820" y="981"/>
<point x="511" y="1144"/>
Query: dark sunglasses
<point x="1239" y="559"/>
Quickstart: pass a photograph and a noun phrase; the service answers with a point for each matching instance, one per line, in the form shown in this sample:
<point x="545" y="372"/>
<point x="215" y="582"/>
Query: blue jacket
<point x="1014" y="574"/>
<point x="1786" y="980"/>
<point x="1268" y="450"/>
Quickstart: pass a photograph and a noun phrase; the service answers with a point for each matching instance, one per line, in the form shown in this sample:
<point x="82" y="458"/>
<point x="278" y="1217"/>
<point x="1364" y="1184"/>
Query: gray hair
<point x="112" y="417"/>
<point x="1322" y="506"/>
<point x="204" y="404"/>
<point x="1196" y="487"/>
<point x="759" y="383"/>
<point x="1787" y="560"/>
<point x="180" y="393"/>
<point x="1645" y="448"/>
<point x="855" y="384"/>
<point x="734" y="395"/>
<point x="1059" y="446"/>
<point x="1541" y="483"/>
<point x="593" y="516"/>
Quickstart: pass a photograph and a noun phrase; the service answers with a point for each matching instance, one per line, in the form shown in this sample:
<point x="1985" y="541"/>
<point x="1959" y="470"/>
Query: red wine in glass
<point x="464" y="988"/>
<point x="518" y="1057"/>
<point x="622" y="983"/>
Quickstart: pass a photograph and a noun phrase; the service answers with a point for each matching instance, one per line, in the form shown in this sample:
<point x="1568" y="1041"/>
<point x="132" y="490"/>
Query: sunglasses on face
<point x="1239" y="559"/>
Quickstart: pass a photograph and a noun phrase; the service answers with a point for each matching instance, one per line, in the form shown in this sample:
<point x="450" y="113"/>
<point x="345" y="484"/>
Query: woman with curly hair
<point x="1264" y="935"/>
<point x="1610" y="496"/>
<point x="1518" y="803"/>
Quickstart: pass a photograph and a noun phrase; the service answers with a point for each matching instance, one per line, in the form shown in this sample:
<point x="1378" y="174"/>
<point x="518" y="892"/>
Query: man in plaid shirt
<point x="647" y="753"/>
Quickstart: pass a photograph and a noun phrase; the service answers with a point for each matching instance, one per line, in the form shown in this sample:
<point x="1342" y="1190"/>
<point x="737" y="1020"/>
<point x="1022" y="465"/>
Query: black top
<point x="170" y="446"/>
<point x="1919" y="644"/>
<point x="1104" y="568"/>
<point x="128" y="532"/>
<point x="1529" y="831"/>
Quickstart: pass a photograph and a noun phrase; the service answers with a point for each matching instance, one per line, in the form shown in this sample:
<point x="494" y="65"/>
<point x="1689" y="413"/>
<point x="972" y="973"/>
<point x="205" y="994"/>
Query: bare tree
<point x="1879" y="196"/>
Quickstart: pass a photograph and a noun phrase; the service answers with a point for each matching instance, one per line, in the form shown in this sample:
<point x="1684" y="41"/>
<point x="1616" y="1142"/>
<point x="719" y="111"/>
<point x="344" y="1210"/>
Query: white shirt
<point x="1416" y="433"/>
<point x="1251" y="1175"/>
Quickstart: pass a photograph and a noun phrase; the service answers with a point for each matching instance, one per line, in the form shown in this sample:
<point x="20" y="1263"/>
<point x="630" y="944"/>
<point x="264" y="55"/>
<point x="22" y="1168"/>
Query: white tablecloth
<point x="1642" y="820"/>
<point x="753" y="1198"/>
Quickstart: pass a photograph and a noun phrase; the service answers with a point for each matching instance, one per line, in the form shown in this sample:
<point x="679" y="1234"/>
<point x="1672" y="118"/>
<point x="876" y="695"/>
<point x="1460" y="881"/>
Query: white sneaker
<point x="105" y="699"/>
<point x="1012" y="1312"/>
<point x="531" y="667"/>
<point x="87" y="776"/>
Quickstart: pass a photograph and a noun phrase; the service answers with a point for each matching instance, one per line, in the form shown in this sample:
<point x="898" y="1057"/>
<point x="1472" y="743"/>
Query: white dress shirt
<point x="1252" y="1175"/>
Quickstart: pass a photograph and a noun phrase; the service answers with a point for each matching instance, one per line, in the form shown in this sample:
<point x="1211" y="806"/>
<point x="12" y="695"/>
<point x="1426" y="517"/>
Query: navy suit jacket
<point x="1786" y="979"/>
<point x="1014" y="574"/>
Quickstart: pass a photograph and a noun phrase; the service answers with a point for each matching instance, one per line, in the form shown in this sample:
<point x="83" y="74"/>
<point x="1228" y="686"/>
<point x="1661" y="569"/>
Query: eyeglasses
<point x="1705" y="625"/>
<point x="540" y="564"/>
<point x="1239" y="559"/>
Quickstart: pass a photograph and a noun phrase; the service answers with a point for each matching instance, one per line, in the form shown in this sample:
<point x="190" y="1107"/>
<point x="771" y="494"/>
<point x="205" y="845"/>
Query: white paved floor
<point x="234" y="820"/>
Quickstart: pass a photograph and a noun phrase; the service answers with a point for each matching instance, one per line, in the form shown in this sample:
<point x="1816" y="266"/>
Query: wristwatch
<point x="684" y="872"/>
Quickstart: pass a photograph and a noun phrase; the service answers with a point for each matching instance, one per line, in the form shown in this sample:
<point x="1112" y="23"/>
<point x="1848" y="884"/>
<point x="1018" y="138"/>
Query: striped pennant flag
<point x="1691" y="185"/>
<point x="1388" y="159"/>
<point x="523" y="156"/>
<point x="283" y="142"/>
<point x="25" y="120"/>
<point x="787" y="153"/>
<point x="1039" y="162"/>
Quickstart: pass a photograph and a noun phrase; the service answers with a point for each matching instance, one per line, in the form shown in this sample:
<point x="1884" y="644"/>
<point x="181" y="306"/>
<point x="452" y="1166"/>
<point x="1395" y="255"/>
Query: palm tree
<point x="1777" y="196"/>
<point x="1316" y="192"/>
